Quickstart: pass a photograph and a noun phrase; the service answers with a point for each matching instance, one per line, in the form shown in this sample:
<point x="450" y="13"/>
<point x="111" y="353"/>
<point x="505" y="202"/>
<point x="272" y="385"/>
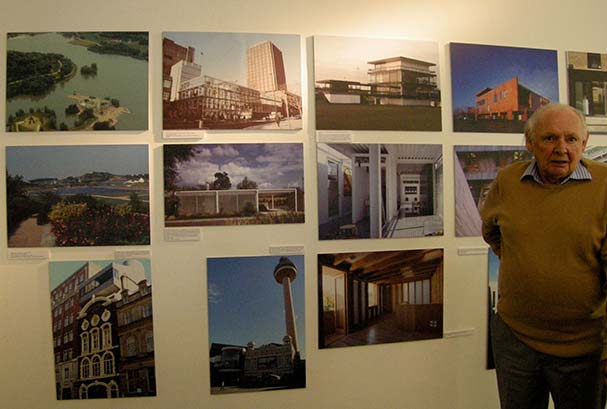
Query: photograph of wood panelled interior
<point x="379" y="297"/>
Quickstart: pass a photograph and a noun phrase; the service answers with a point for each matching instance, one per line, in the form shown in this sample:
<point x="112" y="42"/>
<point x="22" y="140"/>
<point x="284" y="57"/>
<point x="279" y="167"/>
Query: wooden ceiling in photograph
<point x="388" y="267"/>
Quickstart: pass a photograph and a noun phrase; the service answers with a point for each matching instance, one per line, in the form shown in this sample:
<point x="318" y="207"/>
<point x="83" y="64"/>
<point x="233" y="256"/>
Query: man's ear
<point x="585" y="142"/>
<point x="528" y="143"/>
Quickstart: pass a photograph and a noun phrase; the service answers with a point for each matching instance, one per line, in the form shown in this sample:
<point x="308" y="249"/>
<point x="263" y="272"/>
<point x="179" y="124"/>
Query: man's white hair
<point x="535" y="118"/>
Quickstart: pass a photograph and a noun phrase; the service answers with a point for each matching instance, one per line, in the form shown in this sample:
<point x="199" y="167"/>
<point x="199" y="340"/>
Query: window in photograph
<point x="372" y="294"/>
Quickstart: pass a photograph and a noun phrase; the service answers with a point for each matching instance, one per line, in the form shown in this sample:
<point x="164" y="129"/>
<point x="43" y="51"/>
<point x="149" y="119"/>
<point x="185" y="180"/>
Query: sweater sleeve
<point x="604" y="272"/>
<point x="491" y="229"/>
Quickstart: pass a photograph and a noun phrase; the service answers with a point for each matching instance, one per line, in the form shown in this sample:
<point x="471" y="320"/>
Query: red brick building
<point x="510" y="100"/>
<point x="65" y="304"/>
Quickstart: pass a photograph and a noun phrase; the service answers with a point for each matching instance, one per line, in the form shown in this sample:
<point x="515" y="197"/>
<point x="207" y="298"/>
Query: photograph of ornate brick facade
<point x="103" y="333"/>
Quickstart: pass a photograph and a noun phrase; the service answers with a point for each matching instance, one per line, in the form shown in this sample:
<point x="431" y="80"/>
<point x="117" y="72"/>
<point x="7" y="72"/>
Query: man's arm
<point x="491" y="229"/>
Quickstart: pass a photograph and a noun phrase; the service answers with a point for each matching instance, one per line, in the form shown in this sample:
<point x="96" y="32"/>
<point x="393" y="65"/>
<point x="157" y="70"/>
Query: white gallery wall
<point x="447" y="373"/>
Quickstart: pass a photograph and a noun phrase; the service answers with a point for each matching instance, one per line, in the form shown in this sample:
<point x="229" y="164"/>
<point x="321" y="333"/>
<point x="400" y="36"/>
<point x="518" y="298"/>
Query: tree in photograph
<point x="247" y="183"/>
<point x="115" y="102"/>
<point x="84" y="116"/>
<point x="47" y="201"/>
<point x="221" y="182"/>
<point x="89" y="70"/>
<point x="72" y="109"/>
<point x="103" y="126"/>
<point x="136" y="203"/>
<point x="35" y="73"/>
<point x="174" y="155"/>
<point x="171" y="205"/>
<point x="249" y="209"/>
<point x="19" y="206"/>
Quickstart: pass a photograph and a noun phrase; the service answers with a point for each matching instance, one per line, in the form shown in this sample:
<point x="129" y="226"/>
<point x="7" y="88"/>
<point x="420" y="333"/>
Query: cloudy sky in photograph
<point x="270" y="165"/>
<point x="347" y="58"/>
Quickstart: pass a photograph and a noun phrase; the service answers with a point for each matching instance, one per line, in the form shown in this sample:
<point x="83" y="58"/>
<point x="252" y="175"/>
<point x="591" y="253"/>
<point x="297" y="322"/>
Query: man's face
<point x="558" y="144"/>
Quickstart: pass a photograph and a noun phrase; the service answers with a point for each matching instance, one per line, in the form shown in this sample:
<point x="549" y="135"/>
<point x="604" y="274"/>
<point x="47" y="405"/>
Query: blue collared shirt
<point x="579" y="173"/>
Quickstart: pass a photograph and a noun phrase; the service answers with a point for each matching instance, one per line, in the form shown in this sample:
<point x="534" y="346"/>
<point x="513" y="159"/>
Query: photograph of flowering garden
<point x="94" y="195"/>
<point x="233" y="184"/>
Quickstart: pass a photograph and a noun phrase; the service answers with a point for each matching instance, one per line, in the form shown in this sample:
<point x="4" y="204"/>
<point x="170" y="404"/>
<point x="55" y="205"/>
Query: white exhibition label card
<point x="128" y="254"/>
<point x="286" y="250"/>
<point x="334" y="136"/>
<point x="184" y="134"/>
<point x="182" y="235"/>
<point x="28" y="254"/>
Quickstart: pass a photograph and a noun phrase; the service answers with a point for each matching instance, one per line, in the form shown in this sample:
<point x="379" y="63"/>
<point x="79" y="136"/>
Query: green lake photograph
<point x="77" y="81"/>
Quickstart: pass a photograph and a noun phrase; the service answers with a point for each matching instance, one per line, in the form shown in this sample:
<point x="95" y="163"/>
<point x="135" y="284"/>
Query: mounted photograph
<point x="231" y="81"/>
<point x="476" y="167"/>
<point x="87" y="195"/>
<point x="369" y="298"/>
<point x="256" y="323"/>
<point x="77" y="81"/>
<point x="379" y="190"/>
<point x="376" y="84"/>
<point x="587" y="83"/>
<point x="496" y="89"/>
<point x="233" y="184"/>
<point x="493" y="271"/>
<point x="103" y="330"/>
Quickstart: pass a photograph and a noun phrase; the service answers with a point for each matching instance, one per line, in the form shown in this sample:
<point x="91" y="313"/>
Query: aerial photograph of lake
<point x="77" y="81"/>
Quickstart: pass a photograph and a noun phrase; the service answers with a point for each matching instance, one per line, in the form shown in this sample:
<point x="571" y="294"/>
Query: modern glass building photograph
<point x="233" y="184"/>
<point x="231" y="81"/>
<point x="376" y="84"/>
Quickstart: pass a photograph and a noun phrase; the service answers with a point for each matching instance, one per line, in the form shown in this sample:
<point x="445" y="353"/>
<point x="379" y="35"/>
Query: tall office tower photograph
<point x="231" y="81"/>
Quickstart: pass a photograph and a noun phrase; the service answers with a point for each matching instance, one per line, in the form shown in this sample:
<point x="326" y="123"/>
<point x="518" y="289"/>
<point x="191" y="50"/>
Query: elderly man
<point x="546" y="219"/>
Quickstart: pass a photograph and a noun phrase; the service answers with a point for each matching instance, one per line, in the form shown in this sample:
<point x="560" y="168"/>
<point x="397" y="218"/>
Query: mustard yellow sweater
<point x="552" y="244"/>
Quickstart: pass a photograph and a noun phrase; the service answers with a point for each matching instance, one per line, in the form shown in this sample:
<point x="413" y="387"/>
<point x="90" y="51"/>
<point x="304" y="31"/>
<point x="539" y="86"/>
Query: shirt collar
<point x="579" y="173"/>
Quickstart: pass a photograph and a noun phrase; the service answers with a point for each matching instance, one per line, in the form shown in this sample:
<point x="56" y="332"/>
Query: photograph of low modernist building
<point x="376" y="84"/>
<point x="587" y="83"/>
<point x="379" y="297"/>
<point x="231" y="81"/>
<point x="496" y="89"/>
<point x="87" y="195"/>
<point x="256" y="323"/>
<point x="379" y="190"/>
<point x="103" y="332"/>
<point x="77" y="81"/>
<point x="476" y="167"/>
<point x="233" y="184"/>
<point x="492" y="297"/>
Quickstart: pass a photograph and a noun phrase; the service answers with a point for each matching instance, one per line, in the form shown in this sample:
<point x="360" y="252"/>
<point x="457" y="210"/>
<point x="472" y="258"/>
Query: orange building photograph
<point x="496" y="89"/>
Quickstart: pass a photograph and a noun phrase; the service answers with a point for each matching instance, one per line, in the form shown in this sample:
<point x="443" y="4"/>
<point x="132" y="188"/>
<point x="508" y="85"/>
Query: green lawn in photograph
<point x="376" y="117"/>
